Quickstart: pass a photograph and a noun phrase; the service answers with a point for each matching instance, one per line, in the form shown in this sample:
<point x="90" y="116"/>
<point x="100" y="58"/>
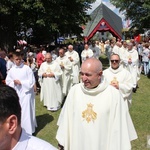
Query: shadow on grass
<point x="42" y="120"/>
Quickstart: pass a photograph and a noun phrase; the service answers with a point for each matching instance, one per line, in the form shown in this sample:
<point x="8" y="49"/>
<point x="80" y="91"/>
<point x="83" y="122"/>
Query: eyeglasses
<point x="114" y="61"/>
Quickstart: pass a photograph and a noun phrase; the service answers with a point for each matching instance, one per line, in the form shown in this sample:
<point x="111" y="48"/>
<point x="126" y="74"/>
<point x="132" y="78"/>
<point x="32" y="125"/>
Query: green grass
<point x="140" y="113"/>
<point x="46" y="121"/>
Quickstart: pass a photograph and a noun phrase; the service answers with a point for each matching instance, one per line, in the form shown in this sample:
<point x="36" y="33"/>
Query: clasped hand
<point x="48" y="75"/>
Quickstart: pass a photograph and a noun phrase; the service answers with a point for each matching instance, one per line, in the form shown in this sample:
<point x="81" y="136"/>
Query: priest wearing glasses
<point x="119" y="78"/>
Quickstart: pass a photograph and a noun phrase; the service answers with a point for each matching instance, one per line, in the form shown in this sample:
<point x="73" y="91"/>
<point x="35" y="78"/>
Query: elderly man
<point x="21" y="78"/>
<point x="130" y="61"/>
<point x="94" y="116"/>
<point x="119" y="78"/>
<point x="50" y="73"/>
<point x="66" y="66"/>
<point x="12" y="136"/>
<point x="86" y="53"/>
<point x="74" y="59"/>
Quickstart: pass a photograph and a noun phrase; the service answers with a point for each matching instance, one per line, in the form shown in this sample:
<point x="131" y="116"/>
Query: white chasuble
<point x="133" y="66"/>
<point x="124" y="79"/>
<point x="94" y="119"/>
<point x="51" y="92"/>
<point x="75" y="65"/>
<point x="86" y="54"/>
<point x="66" y="77"/>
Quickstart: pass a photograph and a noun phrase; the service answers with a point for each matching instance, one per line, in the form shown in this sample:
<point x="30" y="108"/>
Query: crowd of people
<point x="95" y="102"/>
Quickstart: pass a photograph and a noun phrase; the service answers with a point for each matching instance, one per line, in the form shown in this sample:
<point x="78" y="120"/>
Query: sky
<point x="110" y="6"/>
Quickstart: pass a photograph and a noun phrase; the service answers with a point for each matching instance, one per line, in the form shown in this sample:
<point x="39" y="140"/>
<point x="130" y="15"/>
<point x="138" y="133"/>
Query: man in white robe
<point x="21" y="78"/>
<point x="86" y="53"/>
<point x="51" y="93"/>
<point x="123" y="50"/>
<point x="94" y="116"/>
<point x="66" y="66"/>
<point x="74" y="59"/>
<point x="120" y="78"/>
<point x="116" y="48"/>
<point x="130" y="61"/>
<point x="12" y="136"/>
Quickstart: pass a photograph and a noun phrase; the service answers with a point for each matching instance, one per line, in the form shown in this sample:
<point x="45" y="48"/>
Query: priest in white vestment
<point x="75" y="61"/>
<point x="94" y="116"/>
<point x="21" y="78"/>
<point x="86" y="53"/>
<point x="123" y="50"/>
<point x="130" y="61"/>
<point x="66" y="77"/>
<point x="120" y="78"/>
<point x="116" y="48"/>
<point x="51" y="93"/>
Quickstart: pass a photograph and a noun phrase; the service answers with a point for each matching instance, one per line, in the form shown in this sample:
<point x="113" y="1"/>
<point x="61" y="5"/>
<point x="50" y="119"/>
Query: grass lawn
<point x="140" y="113"/>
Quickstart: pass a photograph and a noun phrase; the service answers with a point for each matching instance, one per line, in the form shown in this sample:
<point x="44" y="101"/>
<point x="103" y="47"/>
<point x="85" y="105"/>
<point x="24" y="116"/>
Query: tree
<point x="46" y="17"/>
<point x="138" y="11"/>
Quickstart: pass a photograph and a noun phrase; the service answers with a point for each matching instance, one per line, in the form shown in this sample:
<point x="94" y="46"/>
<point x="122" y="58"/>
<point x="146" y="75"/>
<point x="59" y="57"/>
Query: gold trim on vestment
<point x="48" y="70"/>
<point x="114" y="80"/>
<point x="62" y="64"/>
<point x="130" y="57"/>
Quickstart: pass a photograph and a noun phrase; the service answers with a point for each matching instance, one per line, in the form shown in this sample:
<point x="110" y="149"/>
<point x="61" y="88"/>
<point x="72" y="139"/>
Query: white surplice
<point x="66" y="78"/>
<point x="29" y="142"/>
<point x="51" y="92"/>
<point x="75" y="65"/>
<point x="95" y="119"/>
<point x="124" y="79"/>
<point x="25" y="91"/>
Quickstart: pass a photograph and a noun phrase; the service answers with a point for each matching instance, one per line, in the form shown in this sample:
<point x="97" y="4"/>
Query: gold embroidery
<point x="89" y="114"/>
<point x="61" y="63"/>
<point x="48" y="71"/>
<point x="129" y="57"/>
<point x="114" y="80"/>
